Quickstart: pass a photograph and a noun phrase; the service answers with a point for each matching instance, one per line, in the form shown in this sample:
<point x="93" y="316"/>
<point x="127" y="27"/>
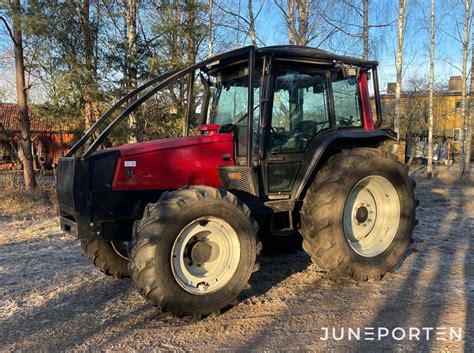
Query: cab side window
<point x="347" y="104"/>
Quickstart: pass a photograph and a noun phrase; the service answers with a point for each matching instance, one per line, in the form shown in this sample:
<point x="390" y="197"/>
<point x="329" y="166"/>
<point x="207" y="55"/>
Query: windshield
<point x="230" y="101"/>
<point x="229" y="105"/>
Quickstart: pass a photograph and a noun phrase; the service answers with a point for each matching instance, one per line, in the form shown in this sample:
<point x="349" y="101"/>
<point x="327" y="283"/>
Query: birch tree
<point x="210" y="39"/>
<point x="464" y="106"/>
<point x="468" y="152"/>
<point x="252" y="34"/>
<point x="365" y="29"/>
<point x="296" y="15"/>
<point x="24" y="142"/>
<point x="90" y="111"/>
<point x="241" y="21"/>
<point x="131" y="45"/>
<point x="430" y="123"/>
<point x="303" y="18"/>
<point x="399" y="65"/>
<point x="131" y="59"/>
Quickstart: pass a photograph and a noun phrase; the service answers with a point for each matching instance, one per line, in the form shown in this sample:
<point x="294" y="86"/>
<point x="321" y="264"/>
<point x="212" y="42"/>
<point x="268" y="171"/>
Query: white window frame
<point x="454" y="135"/>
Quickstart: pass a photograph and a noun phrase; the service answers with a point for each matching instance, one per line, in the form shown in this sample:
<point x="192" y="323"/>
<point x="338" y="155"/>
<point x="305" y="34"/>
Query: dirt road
<point x="51" y="298"/>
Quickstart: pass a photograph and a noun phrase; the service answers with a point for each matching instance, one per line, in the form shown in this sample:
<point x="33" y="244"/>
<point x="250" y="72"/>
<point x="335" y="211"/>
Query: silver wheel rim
<point x="205" y="255"/>
<point x="371" y="216"/>
<point x="120" y="248"/>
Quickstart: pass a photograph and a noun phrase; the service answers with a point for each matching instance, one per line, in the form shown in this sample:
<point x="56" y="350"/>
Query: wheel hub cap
<point x="362" y="214"/>
<point x="201" y="252"/>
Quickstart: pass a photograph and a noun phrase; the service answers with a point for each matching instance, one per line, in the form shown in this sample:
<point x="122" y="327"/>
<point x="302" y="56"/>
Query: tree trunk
<point x="24" y="142"/>
<point x="291" y="22"/>
<point x="90" y="105"/>
<point x="430" y="124"/>
<point x="464" y="107"/>
<point x="131" y="17"/>
<point x="252" y="34"/>
<point x="303" y="14"/>
<point x="210" y="40"/>
<point x="191" y="30"/>
<point x="399" y="64"/>
<point x="468" y="152"/>
<point x="365" y="29"/>
<point x="131" y="62"/>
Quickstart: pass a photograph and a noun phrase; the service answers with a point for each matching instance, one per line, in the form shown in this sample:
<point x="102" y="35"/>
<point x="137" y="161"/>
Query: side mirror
<point x="319" y="88"/>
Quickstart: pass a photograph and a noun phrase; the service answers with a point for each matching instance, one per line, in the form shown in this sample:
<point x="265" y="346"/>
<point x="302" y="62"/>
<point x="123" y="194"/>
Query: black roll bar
<point x="109" y="112"/>
<point x="161" y="82"/>
<point x="250" y="107"/>
<point x="189" y="104"/>
<point x="378" y="105"/>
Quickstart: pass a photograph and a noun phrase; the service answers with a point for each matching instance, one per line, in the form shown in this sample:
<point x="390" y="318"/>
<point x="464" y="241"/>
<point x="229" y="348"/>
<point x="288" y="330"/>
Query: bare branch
<point x="260" y="9"/>
<point x="233" y="14"/>
<point x="282" y="10"/>
<point x="334" y="31"/>
<point x="340" y="29"/>
<point x="356" y="9"/>
<point x="10" y="33"/>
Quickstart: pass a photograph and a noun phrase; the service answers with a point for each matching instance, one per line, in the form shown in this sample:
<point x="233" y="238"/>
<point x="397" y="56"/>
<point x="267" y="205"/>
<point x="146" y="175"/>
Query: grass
<point x="15" y="201"/>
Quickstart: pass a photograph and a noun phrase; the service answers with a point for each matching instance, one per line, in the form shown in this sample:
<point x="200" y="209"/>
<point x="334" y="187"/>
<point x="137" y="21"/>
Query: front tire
<point x="358" y="215"/>
<point x="194" y="251"/>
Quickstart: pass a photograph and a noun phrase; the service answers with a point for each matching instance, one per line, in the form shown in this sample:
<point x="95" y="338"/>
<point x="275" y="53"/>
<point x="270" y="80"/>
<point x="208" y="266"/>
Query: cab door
<point x="300" y="109"/>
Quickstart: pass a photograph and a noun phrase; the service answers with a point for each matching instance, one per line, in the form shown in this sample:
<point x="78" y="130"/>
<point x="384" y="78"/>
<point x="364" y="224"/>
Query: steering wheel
<point x="307" y="128"/>
<point x="345" y="122"/>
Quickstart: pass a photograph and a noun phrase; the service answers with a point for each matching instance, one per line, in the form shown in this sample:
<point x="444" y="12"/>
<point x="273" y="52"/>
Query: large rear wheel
<point x="358" y="215"/>
<point x="194" y="251"/>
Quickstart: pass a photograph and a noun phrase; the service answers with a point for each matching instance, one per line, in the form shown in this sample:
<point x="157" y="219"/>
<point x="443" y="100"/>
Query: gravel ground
<point x="51" y="298"/>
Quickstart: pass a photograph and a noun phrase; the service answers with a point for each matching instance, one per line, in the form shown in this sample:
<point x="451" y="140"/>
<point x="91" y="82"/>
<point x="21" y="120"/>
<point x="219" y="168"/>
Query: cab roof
<point x="301" y="52"/>
<point x="290" y="53"/>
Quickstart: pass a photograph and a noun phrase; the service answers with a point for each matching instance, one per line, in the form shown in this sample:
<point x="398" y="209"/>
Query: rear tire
<point x="108" y="257"/>
<point x="358" y="215"/>
<point x="194" y="251"/>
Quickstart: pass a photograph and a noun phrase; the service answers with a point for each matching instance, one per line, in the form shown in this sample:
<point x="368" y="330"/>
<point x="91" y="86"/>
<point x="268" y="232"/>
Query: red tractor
<point x="284" y="142"/>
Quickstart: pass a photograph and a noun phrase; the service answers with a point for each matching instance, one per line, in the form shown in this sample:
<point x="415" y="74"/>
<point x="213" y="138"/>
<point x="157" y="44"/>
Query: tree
<point x="464" y="106"/>
<point x="90" y="109"/>
<point x="24" y="142"/>
<point x="241" y="22"/>
<point x="252" y="34"/>
<point x="467" y="159"/>
<point x="399" y="65"/>
<point x="210" y="39"/>
<point x="430" y="125"/>
<point x="296" y="15"/>
<point x="365" y="29"/>
<point x="70" y="58"/>
<point x="131" y="58"/>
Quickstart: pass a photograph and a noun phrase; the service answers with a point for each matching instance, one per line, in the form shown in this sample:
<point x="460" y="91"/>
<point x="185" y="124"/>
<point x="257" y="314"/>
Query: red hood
<point x="172" y="143"/>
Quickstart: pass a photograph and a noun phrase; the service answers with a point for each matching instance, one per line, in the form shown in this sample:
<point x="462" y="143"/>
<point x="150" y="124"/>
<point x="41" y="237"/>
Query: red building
<point x="50" y="140"/>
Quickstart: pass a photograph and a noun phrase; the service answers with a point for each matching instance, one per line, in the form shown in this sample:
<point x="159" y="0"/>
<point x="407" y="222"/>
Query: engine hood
<point x="172" y="143"/>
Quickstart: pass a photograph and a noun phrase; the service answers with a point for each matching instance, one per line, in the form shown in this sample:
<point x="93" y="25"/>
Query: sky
<point x="448" y="51"/>
<point x="271" y="30"/>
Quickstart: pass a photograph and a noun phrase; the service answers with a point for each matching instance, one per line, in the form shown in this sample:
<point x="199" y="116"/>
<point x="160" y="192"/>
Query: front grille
<point x="65" y="182"/>
<point x="236" y="178"/>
